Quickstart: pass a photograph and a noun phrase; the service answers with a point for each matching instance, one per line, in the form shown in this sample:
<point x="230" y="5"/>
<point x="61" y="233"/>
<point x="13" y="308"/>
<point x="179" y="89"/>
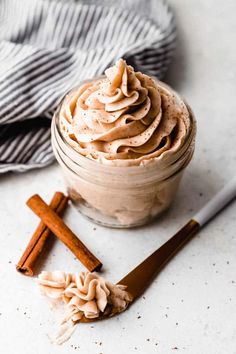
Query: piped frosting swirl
<point x="124" y="118"/>
<point x="84" y="294"/>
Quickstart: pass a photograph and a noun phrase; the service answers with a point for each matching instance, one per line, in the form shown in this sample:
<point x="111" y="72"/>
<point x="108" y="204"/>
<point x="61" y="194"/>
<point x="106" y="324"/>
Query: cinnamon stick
<point x="62" y="231"/>
<point x="36" y="245"/>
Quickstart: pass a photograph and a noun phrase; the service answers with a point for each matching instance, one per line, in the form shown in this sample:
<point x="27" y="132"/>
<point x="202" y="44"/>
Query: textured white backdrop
<point x="191" y="306"/>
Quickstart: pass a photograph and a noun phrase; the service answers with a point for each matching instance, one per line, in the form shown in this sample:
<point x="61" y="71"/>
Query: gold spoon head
<point x="108" y="313"/>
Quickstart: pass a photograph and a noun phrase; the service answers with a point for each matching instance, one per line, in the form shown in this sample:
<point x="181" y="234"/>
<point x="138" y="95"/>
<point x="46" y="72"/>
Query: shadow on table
<point x="176" y="73"/>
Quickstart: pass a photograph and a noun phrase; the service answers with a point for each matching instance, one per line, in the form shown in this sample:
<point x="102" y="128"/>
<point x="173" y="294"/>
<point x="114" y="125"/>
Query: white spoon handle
<point x="218" y="202"/>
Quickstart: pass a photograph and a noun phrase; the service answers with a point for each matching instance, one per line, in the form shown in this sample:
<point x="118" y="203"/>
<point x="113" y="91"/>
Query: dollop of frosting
<point x="124" y="118"/>
<point x="84" y="294"/>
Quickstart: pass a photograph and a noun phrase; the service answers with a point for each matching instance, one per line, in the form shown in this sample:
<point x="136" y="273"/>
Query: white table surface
<point x="191" y="305"/>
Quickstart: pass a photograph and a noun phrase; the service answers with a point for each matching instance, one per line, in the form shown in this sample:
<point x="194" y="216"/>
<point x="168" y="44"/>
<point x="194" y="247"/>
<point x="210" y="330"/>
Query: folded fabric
<point x="47" y="47"/>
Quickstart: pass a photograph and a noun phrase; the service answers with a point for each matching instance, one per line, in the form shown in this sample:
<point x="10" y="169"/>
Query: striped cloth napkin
<point x="47" y="47"/>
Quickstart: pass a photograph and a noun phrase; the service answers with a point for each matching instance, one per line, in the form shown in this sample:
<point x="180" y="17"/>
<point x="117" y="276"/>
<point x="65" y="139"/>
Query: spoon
<point x="140" y="277"/>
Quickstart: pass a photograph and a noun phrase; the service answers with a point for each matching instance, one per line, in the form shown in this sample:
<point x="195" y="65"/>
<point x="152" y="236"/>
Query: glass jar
<point x="121" y="197"/>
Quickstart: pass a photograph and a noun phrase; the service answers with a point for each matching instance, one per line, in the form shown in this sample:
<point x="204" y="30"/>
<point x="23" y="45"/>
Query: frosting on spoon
<point x="84" y="294"/>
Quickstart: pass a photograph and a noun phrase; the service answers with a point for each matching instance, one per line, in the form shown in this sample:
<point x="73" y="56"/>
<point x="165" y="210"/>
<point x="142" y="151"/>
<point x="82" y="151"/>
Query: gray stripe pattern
<point x="47" y="47"/>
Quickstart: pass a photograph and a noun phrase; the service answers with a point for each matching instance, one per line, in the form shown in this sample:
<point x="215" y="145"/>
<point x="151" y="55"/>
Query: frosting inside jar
<point x="125" y="118"/>
<point x="84" y="294"/>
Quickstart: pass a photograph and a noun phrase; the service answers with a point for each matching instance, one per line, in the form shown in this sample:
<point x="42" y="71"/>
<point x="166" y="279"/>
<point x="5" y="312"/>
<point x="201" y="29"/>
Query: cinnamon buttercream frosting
<point x="84" y="294"/>
<point x="124" y="118"/>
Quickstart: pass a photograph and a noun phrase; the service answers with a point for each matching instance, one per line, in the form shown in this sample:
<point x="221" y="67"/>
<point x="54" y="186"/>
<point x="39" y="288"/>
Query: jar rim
<point x="127" y="185"/>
